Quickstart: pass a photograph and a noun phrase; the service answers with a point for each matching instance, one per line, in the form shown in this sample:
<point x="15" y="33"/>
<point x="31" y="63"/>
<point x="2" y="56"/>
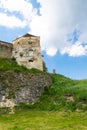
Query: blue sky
<point x="61" y="25"/>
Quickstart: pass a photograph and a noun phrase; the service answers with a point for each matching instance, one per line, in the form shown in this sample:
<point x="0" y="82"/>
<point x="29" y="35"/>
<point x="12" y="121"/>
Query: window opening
<point x="30" y="60"/>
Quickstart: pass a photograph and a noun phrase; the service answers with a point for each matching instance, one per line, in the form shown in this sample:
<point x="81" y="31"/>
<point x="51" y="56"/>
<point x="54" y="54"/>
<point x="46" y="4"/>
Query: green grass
<point x="79" y="91"/>
<point x="44" y="120"/>
<point x="62" y="106"/>
<point x="63" y="94"/>
<point x="11" y="64"/>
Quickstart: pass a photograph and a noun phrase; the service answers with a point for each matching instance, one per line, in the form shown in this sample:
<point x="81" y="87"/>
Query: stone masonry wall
<point x="27" y="52"/>
<point x="25" y="49"/>
<point x="5" y="49"/>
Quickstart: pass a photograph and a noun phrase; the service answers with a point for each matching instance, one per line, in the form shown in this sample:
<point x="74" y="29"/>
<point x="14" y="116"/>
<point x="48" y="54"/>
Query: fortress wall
<point x="25" y="49"/>
<point x="27" y="52"/>
<point x="5" y="49"/>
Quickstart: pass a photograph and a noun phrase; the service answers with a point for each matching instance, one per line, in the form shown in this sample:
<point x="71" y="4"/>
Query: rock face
<point x="21" y="87"/>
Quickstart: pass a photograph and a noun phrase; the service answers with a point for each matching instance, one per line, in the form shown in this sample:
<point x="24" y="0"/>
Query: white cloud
<point x="22" y="6"/>
<point x="10" y="8"/>
<point x="11" y="21"/>
<point x="51" y="51"/>
<point x="57" y="19"/>
<point x="75" y="50"/>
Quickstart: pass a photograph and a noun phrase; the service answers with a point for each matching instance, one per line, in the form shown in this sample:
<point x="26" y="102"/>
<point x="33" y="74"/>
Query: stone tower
<point x="27" y="51"/>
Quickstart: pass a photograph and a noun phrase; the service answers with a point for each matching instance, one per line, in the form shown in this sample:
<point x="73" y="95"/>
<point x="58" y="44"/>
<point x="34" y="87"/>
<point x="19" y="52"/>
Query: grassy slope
<point x="64" y="94"/>
<point x="44" y="120"/>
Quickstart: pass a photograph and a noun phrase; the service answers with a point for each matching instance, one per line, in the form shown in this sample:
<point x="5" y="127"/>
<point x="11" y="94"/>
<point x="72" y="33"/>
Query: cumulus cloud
<point x="18" y="13"/>
<point x="6" y="21"/>
<point x="58" y="19"/>
<point x="24" y="7"/>
<point x="75" y="50"/>
<point x="55" y="23"/>
<point x="51" y="51"/>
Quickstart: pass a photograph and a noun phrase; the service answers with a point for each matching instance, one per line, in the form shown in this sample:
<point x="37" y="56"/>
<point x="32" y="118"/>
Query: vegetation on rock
<point x="63" y="93"/>
<point x="11" y="64"/>
<point x="62" y="104"/>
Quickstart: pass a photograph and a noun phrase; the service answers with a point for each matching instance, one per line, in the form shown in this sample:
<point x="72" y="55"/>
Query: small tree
<point x="44" y="67"/>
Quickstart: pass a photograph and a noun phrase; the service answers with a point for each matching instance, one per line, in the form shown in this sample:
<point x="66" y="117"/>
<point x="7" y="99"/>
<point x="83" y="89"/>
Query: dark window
<point x="31" y="60"/>
<point x="21" y="54"/>
<point x="29" y="42"/>
<point x="15" y="51"/>
<point x="30" y="49"/>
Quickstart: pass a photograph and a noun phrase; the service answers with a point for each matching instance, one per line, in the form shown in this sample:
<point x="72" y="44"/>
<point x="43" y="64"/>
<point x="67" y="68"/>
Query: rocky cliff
<point x="20" y="87"/>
